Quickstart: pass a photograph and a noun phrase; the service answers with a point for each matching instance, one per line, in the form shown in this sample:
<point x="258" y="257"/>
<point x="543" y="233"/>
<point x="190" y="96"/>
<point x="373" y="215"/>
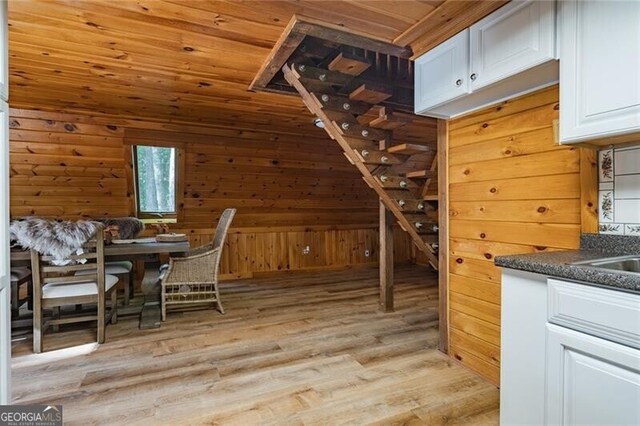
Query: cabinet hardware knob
<point x="473" y="77"/>
<point x="458" y="82"/>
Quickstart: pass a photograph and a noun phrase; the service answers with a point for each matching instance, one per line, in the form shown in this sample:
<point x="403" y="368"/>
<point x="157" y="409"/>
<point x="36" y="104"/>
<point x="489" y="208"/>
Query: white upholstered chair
<point x="57" y="286"/>
<point x="19" y="277"/>
<point x="121" y="269"/>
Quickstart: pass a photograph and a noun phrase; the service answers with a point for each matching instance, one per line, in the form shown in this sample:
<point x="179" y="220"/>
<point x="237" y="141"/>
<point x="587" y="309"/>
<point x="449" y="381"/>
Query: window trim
<point x="151" y="217"/>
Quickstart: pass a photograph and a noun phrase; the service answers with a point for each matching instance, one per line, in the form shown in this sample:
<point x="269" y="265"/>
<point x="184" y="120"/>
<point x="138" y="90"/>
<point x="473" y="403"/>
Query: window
<point x="155" y="169"/>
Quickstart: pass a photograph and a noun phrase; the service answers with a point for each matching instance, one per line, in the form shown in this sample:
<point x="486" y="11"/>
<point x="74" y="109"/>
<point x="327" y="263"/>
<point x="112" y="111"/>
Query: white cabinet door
<point x="441" y="74"/>
<point x="518" y="36"/>
<point x="590" y="381"/>
<point x="5" y="273"/>
<point x="599" y="69"/>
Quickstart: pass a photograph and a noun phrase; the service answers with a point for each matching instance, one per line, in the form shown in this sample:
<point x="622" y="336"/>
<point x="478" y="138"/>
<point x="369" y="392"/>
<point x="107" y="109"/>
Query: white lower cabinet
<point x="570" y="353"/>
<point x="590" y="381"/>
<point x="522" y="367"/>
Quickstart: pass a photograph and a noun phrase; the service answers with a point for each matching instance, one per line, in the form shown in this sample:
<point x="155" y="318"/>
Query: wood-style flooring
<point x="298" y="348"/>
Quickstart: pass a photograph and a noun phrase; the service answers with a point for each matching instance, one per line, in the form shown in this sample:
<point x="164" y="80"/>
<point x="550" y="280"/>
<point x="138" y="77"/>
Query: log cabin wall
<point x="290" y="190"/>
<point x="511" y="190"/>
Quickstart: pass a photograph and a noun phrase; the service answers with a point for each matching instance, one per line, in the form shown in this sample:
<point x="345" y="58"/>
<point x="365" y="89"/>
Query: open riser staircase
<point x="363" y="125"/>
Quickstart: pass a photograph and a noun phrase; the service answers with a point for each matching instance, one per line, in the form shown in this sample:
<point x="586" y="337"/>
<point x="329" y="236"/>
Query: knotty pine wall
<point x="290" y="190"/>
<point x="511" y="190"/>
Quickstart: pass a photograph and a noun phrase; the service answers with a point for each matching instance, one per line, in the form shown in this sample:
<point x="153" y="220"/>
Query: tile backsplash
<point x="619" y="191"/>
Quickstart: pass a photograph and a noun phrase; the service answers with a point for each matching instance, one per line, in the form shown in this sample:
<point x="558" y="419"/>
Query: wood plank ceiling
<point x="184" y="61"/>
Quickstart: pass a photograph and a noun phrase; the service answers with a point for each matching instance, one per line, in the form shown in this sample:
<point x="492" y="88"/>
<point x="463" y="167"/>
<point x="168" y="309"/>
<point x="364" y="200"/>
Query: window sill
<point x="153" y="221"/>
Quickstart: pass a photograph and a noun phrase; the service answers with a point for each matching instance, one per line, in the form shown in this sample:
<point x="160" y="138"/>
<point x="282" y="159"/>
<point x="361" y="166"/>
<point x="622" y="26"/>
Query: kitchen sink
<point x="628" y="264"/>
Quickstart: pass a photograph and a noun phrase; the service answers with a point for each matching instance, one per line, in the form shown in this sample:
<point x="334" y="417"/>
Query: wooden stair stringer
<point x="332" y="129"/>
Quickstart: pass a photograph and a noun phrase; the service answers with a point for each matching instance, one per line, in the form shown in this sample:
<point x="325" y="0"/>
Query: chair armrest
<point x="192" y="269"/>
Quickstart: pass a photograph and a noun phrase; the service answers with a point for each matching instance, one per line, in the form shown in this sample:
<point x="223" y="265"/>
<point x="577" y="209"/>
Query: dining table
<point x="142" y="249"/>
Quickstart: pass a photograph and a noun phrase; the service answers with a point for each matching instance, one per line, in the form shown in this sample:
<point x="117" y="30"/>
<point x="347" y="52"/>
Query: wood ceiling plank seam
<point x="207" y="23"/>
<point x="376" y="25"/>
<point x="135" y="119"/>
<point x="393" y="9"/>
<point x="244" y="106"/>
<point x="329" y="11"/>
<point x="129" y="46"/>
<point x="238" y="9"/>
<point x="78" y="81"/>
<point x="21" y="45"/>
<point x="116" y="83"/>
<point x="27" y="78"/>
<point x="88" y="23"/>
<point x="52" y="64"/>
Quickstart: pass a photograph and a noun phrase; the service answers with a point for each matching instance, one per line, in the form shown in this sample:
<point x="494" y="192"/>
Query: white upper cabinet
<point x="442" y="74"/>
<point x="509" y="53"/>
<point x="599" y="69"/>
<point x="515" y="38"/>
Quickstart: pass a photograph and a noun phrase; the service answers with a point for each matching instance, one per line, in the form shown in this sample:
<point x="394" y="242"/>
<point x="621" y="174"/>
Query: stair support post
<point x="386" y="259"/>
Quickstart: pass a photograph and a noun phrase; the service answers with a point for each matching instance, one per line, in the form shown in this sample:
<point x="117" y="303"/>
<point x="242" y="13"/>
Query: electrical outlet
<point x="367" y="253"/>
<point x="306" y="250"/>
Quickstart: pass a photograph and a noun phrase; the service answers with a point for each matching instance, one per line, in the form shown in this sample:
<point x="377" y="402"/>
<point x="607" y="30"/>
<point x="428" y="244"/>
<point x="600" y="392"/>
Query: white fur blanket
<point x="59" y="239"/>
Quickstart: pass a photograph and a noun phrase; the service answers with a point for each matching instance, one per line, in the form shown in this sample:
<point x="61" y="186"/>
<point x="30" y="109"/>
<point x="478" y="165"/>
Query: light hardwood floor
<point x="301" y="348"/>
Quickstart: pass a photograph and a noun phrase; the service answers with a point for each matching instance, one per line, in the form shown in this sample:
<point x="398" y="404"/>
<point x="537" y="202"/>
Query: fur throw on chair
<point x="56" y="238"/>
<point x="128" y="227"/>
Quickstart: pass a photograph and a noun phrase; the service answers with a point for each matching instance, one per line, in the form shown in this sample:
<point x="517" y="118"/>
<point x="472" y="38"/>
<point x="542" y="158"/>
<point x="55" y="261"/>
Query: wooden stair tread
<point x="430" y="197"/>
<point x="308" y="73"/>
<point x="387" y="124"/>
<point x="347" y="63"/>
<point x="377" y="157"/>
<point x="340" y="103"/>
<point x="420" y="174"/>
<point x="409" y="205"/>
<point x="408" y="149"/>
<point x="355" y="130"/>
<point x="396" y="182"/>
<point x="370" y="94"/>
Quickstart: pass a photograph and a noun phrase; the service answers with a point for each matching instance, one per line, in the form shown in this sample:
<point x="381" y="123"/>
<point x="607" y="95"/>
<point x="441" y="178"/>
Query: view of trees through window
<point x="156" y="175"/>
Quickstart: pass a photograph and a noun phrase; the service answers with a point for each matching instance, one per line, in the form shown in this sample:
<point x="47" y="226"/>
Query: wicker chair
<point x="193" y="279"/>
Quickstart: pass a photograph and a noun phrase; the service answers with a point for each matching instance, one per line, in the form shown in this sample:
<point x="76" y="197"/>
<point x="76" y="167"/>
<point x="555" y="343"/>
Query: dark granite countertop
<point x="593" y="246"/>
